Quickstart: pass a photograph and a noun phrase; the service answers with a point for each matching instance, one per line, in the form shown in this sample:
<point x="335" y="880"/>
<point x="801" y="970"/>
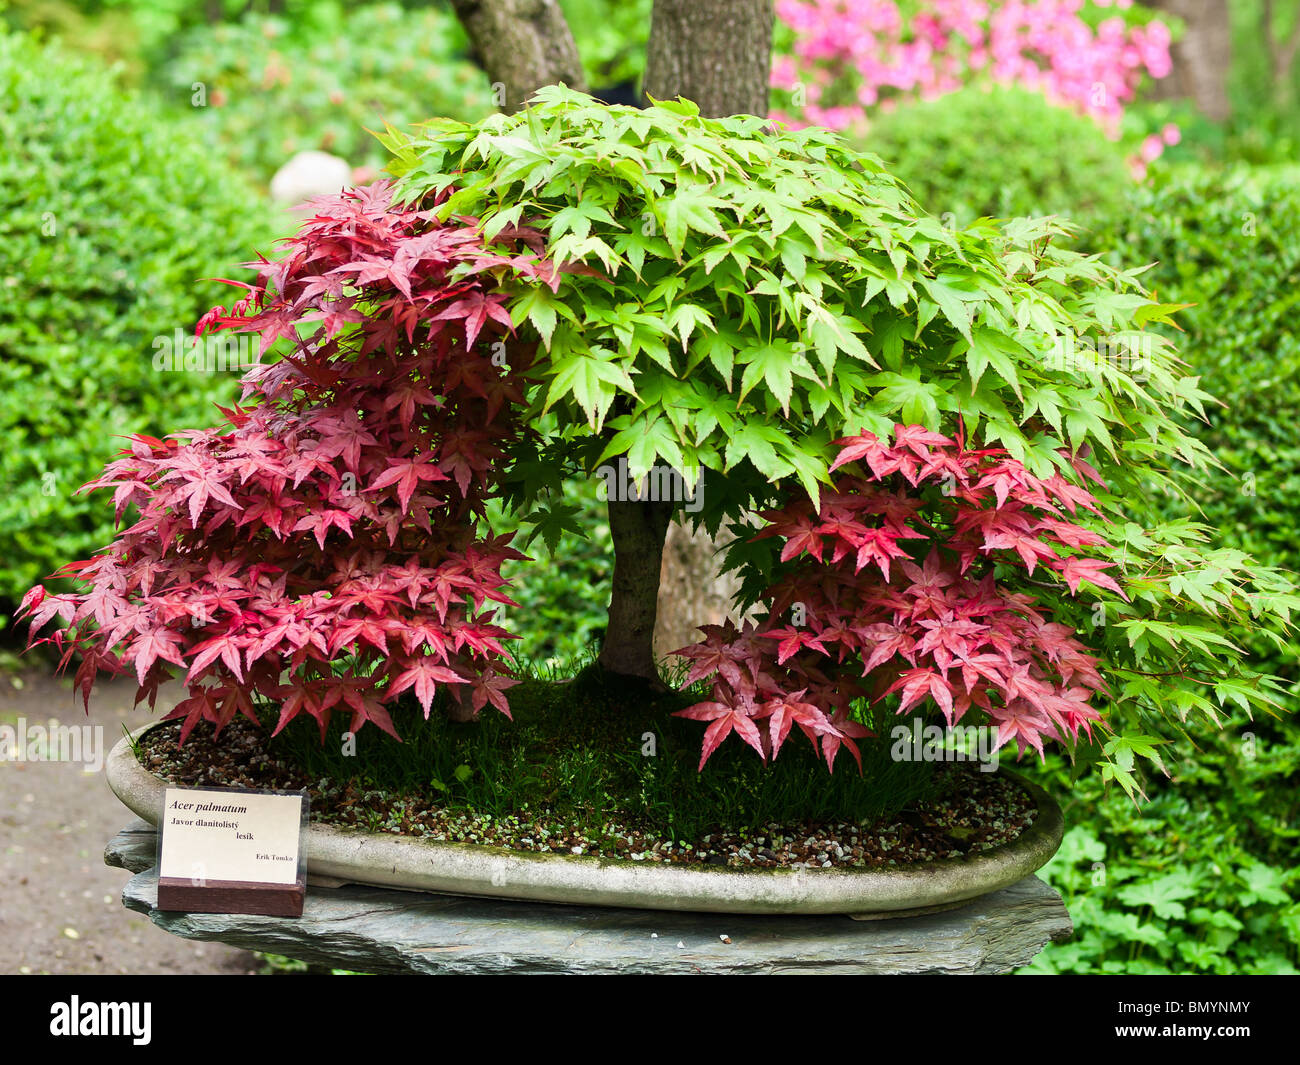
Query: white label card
<point x="230" y="835"/>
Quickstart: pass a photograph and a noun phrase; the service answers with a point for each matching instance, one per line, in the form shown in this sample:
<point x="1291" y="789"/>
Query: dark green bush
<point x="1004" y="153"/>
<point x="1203" y="879"/>
<point x="108" y="219"/>
<point x="1229" y="243"/>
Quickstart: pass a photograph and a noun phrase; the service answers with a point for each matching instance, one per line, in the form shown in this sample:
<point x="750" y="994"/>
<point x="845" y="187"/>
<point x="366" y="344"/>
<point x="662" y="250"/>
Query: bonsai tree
<point x="934" y="481"/>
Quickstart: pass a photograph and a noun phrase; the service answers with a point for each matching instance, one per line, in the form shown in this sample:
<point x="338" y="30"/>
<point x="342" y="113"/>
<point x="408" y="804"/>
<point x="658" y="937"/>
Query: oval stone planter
<point x="337" y="856"/>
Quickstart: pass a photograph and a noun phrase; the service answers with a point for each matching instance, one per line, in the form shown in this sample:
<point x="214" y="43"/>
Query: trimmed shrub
<point x="1002" y="152"/>
<point x="109" y="219"/>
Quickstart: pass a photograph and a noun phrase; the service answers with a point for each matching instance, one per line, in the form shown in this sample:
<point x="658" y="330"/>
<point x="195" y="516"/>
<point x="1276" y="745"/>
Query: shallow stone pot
<point x="353" y="856"/>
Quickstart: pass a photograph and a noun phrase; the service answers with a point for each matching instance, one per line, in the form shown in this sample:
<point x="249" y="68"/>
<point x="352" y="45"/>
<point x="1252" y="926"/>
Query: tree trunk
<point x="1282" y="54"/>
<point x="523" y="45"/>
<point x="638" y="529"/>
<point x="715" y="52"/>
<point x="1201" y="58"/>
<point x="693" y="591"/>
<point x="719" y="54"/>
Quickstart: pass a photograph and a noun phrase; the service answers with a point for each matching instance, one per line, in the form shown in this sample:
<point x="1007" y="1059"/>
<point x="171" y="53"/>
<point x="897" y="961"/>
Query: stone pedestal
<point x="378" y="930"/>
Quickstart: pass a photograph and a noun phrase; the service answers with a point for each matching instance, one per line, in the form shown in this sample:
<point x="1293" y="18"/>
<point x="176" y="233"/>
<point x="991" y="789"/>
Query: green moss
<point x="594" y="749"/>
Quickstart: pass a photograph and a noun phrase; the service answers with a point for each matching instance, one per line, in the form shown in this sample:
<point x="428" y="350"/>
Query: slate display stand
<point x="380" y="930"/>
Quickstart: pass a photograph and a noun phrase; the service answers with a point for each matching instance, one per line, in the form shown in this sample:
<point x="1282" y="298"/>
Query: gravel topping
<point x="975" y="812"/>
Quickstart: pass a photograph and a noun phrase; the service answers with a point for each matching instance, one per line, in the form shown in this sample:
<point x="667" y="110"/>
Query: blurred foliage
<point x="144" y="34"/>
<point x="271" y="89"/>
<point x="282" y="77"/>
<point x="1265" y="123"/>
<point x="109" y="218"/>
<point x="1003" y="153"/>
<point x="611" y="36"/>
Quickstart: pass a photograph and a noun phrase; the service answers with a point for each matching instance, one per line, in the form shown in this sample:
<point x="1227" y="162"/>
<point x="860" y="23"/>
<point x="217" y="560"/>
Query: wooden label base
<point x="231" y="896"/>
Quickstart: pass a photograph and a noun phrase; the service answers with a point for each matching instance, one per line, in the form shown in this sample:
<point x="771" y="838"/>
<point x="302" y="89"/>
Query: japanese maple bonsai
<point x="934" y="510"/>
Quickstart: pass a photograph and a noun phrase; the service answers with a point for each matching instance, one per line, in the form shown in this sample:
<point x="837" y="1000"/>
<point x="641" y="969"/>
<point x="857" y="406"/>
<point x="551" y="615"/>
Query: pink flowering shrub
<point x="956" y="628"/>
<point x="321" y="551"/>
<point x="848" y="57"/>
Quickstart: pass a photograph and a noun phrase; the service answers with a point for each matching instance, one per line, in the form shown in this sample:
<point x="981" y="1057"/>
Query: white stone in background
<point x="309" y="174"/>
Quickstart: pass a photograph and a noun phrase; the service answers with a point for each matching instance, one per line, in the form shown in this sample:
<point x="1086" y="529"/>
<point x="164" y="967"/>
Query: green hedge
<point x="1229" y="244"/>
<point x="1204" y="878"/>
<point x="109" y="216"/>
<point x="1000" y="152"/>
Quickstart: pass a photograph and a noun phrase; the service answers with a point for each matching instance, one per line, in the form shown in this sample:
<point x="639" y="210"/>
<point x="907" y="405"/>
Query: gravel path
<point x="61" y="910"/>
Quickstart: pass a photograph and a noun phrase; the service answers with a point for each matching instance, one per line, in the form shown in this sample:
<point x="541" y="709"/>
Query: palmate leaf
<point x="775" y="365"/>
<point x="541" y="308"/>
<point x="916" y="402"/>
<point x="648" y="440"/>
<point x="1164" y="895"/>
<point x="687" y="210"/>
<point x="987" y="348"/>
<point x="550" y="521"/>
<point x="590" y="381"/>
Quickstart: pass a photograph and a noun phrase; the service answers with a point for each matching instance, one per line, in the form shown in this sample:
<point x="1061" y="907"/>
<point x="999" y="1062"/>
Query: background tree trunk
<point x="719" y="54"/>
<point x="715" y="52"/>
<point x="1202" y="57"/>
<point x="523" y="45"/>
<point x="1281" y="52"/>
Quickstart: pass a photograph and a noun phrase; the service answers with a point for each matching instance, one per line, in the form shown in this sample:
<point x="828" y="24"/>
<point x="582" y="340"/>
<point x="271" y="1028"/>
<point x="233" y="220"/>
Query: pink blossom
<point x="942" y="45"/>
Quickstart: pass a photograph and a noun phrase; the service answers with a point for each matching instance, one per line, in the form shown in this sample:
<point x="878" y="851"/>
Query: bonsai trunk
<point x="638" y="529"/>
<point x="719" y="54"/>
